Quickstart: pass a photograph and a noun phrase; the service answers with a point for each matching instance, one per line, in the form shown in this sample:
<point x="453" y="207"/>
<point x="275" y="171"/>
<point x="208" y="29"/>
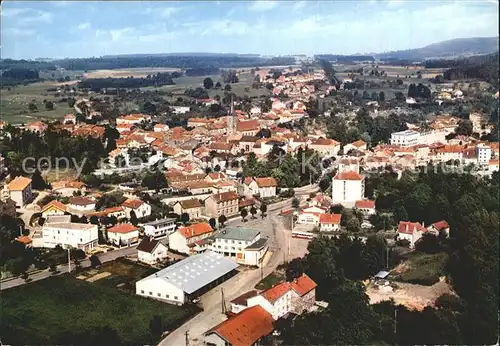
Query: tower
<point x="231" y="122"/>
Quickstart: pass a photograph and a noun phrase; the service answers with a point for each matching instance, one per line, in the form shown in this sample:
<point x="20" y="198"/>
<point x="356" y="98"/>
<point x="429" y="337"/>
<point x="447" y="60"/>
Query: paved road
<point x="63" y="268"/>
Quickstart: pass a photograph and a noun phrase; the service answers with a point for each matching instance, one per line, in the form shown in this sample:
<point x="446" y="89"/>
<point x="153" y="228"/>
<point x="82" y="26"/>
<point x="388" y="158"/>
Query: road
<point x="63" y="268"/>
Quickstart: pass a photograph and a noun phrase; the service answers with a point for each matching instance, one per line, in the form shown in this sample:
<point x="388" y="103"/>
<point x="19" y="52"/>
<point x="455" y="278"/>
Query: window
<point x="232" y="241"/>
<point x="166" y="295"/>
<point x="159" y="294"/>
<point x="142" y="291"/>
<point x="175" y="297"/>
<point x="150" y="293"/>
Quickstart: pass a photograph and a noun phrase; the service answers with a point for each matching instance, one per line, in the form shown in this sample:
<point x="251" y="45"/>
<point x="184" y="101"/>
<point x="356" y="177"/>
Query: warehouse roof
<point x="237" y="233"/>
<point x="195" y="272"/>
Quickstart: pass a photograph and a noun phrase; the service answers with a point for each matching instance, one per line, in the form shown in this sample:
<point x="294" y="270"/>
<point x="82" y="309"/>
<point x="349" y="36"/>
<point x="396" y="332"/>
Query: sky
<point x="60" y="29"/>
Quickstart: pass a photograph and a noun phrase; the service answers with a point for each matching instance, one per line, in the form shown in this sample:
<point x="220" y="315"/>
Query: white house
<point x="366" y="206"/>
<point x="329" y="222"/>
<point x="310" y="215"/>
<point x="58" y="230"/>
<point x="405" y="138"/>
<point x="151" y="251"/>
<point x="180" y="109"/>
<point x="82" y="204"/>
<point x="123" y="234"/>
<point x="140" y="208"/>
<point x="411" y="231"/>
<point x="185" y="238"/>
<point x="347" y="188"/>
<point x="187" y="279"/>
<point x="484" y="154"/>
<point x="264" y="187"/>
<point x="244" y="245"/>
<point x="159" y="228"/>
<point x="359" y="145"/>
<point x="53" y="208"/>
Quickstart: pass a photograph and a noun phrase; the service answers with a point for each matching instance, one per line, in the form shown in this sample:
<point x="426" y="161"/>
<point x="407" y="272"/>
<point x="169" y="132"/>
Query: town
<point x="244" y="200"/>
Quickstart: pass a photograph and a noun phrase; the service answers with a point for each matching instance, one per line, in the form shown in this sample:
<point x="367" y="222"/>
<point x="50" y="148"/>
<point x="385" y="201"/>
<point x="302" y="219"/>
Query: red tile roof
<point x="365" y="204"/>
<point x="78" y="200"/>
<point x="266" y="182"/>
<point x="132" y="203"/>
<point x="348" y="176"/>
<point x="225" y="196"/>
<point x="440" y="225"/>
<point x="56" y="204"/>
<point x="122" y="228"/>
<point x="245" y="328"/>
<point x="195" y="230"/>
<point x="408" y="227"/>
<point x="19" y="183"/>
<point x="303" y="285"/>
<point x="277" y="291"/>
<point x="330" y="218"/>
<point x="249" y="125"/>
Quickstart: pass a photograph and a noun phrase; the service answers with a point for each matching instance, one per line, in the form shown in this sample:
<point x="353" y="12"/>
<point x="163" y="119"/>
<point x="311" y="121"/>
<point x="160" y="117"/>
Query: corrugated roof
<point x="196" y="271"/>
<point x="237" y="233"/>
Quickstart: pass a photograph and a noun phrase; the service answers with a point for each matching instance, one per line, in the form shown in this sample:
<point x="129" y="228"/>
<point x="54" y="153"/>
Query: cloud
<point x="395" y="3"/>
<point x="262" y="6"/>
<point x="164" y="12"/>
<point x="299" y="5"/>
<point x="83" y="26"/>
<point x="13" y="12"/>
<point x="29" y="16"/>
<point x="60" y="3"/>
<point x="19" y="32"/>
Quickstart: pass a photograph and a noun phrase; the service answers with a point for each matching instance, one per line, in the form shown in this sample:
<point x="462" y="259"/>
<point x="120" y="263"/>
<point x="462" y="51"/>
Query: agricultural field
<point x="14" y="103"/>
<point x="131" y="72"/>
<point x="421" y="268"/>
<point x="65" y="310"/>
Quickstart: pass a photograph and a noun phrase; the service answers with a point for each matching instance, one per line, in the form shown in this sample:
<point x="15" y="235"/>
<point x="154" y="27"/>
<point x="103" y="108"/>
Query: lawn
<point x="65" y="310"/>
<point x="270" y="280"/>
<point x="421" y="268"/>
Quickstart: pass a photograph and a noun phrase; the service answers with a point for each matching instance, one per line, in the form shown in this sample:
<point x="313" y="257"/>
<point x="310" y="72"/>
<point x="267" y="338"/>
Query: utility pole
<point x="387" y="258"/>
<point x="395" y="321"/>
<point x="223" y="307"/>
<point x="187" y="338"/>
<point x="69" y="260"/>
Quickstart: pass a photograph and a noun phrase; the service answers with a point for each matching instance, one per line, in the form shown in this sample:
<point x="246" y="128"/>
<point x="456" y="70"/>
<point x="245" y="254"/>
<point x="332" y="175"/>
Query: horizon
<point x="48" y="30"/>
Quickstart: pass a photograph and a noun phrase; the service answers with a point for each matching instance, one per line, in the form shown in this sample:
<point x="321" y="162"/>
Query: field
<point x="270" y="280"/>
<point x="131" y="72"/>
<point x="422" y="269"/>
<point x="14" y="104"/>
<point x="64" y="310"/>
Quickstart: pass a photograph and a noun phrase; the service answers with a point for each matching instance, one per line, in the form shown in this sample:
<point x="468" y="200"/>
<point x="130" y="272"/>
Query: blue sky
<point x="59" y="29"/>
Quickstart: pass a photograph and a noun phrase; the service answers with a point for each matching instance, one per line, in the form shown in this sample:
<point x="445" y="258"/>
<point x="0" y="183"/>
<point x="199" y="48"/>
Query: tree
<point x="381" y="96"/>
<point x="154" y="180"/>
<point x="133" y="218"/>
<point x="464" y="128"/>
<point x="37" y="182"/>
<point x="32" y="107"/>
<point x="263" y="209"/>
<point x="243" y="214"/>
<point x="94" y="220"/>
<point x="222" y="220"/>
<point x="428" y="243"/>
<point x="208" y="83"/>
<point x="218" y="85"/>
<point x="212" y="222"/>
<point x="295" y="203"/>
<point x="94" y="261"/>
<point x="49" y="105"/>
<point x="253" y="211"/>
<point x="52" y="267"/>
<point x="353" y="225"/>
<point x="227" y="87"/>
<point x="149" y="108"/>
<point x="71" y="102"/>
<point x="184" y="218"/>
<point x="25" y="276"/>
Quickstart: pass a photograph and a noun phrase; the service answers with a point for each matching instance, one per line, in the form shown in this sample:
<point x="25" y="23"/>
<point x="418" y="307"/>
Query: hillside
<point x="451" y="48"/>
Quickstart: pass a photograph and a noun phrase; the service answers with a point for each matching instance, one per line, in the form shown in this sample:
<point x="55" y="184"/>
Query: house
<point x="192" y="207"/>
<point x="58" y="230"/>
<point x="159" y="228"/>
<point x="233" y="242"/>
<point x="358" y="145"/>
<point x="20" y="191"/>
<point x="69" y="119"/>
<point x="81" y="204"/>
<point x="264" y="187"/>
<point x="151" y="251"/>
<point x="187" y="279"/>
<point x="140" y="208"/>
<point x="123" y="234"/>
<point x="366" y="206"/>
<point x="405" y="138"/>
<point x="349" y="164"/>
<point x="68" y="187"/>
<point x="347" y="188"/>
<point x="243" y="329"/>
<point x="37" y="126"/>
<point x="440" y="227"/>
<point x="248" y="128"/>
<point x="180" y="109"/>
<point x="131" y="119"/>
<point x="329" y="222"/>
<point x="225" y="203"/>
<point x="310" y="215"/>
<point x="160" y="128"/>
<point x="304" y="297"/>
<point x="53" y="208"/>
<point x="185" y="238"/>
<point x="326" y="147"/>
<point x="411" y="231"/>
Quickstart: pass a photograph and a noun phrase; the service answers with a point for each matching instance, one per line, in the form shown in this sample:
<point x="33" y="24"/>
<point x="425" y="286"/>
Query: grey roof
<point x="382" y="274"/>
<point x="159" y="221"/>
<point x="58" y="219"/>
<point x="259" y="244"/>
<point x="70" y="225"/>
<point x="237" y="233"/>
<point x="195" y="272"/>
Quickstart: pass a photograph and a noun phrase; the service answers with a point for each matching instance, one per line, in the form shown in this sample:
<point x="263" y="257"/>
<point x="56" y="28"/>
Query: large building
<point x="244" y="245"/>
<point x="225" y="203"/>
<point x="347" y="188"/>
<point x="159" y="228"/>
<point x="186" y="239"/>
<point x="20" y="191"/>
<point x="59" y="230"/>
<point x="188" y="279"/>
<point x="405" y="138"/>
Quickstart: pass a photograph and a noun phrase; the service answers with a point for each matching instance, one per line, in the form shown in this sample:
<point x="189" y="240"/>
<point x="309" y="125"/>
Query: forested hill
<point x="446" y="49"/>
<point x="479" y="67"/>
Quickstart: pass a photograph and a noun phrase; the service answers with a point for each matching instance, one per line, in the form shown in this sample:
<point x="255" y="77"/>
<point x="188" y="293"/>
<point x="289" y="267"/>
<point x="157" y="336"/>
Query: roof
<point x="225" y="196"/>
<point x="57" y="219"/>
<point x="246" y="327"/>
<point x="19" y="183"/>
<point x="324" y="141"/>
<point x="358" y="143"/>
<point x="147" y="245"/>
<point x="132" y="203"/>
<point x="122" y="228"/>
<point x="440" y="225"/>
<point x="24" y="239"/>
<point x="56" y="204"/>
<point x="70" y="225"/>
<point x="365" y="204"/>
<point x="237" y="233"/>
<point x="330" y="218"/>
<point x="160" y="221"/>
<point x="194" y="230"/>
<point x="303" y="285"/>
<point x="195" y="272"/>
<point x="381" y="274"/>
<point x="266" y="182"/>
<point x="277" y="291"/>
<point x="408" y="227"/>
<point x="257" y="245"/>
<point x="348" y="176"/>
<point x="247" y="125"/>
<point x="190" y="203"/>
<point x="242" y="300"/>
<point x="78" y="200"/>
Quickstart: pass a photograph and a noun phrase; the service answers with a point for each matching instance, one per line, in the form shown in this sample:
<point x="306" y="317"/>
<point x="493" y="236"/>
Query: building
<point x="405" y="138"/>
<point x="76" y="235"/>
<point x="440" y="227"/>
<point x="193" y="207"/>
<point x="186" y="280"/>
<point x="20" y="191"/>
<point x="326" y="147"/>
<point x="411" y="231"/>
<point x="225" y="203"/>
<point x="483" y="153"/>
<point x="366" y="206"/>
<point x="151" y="251"/>
<point x="264" y="187"/>
<point x="159" y="228"/>
<point x="81" y="204"/>
<point x="140" y="208"/>
<point x="329" y="222"/>
<point x="53" y="208"/>
<point x="358" y="145"/>
<point x="244" y="245"/>
<point x="123" y="234"/>
<point x="185" y="238"/>
<point x="347" y="188"/>
<point x="243" y="329"/>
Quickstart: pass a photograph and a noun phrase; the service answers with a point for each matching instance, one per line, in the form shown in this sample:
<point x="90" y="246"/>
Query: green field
<point x="14" y="103"/>
<point x="65" y="310"/>
<point x="422" y="269"/>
